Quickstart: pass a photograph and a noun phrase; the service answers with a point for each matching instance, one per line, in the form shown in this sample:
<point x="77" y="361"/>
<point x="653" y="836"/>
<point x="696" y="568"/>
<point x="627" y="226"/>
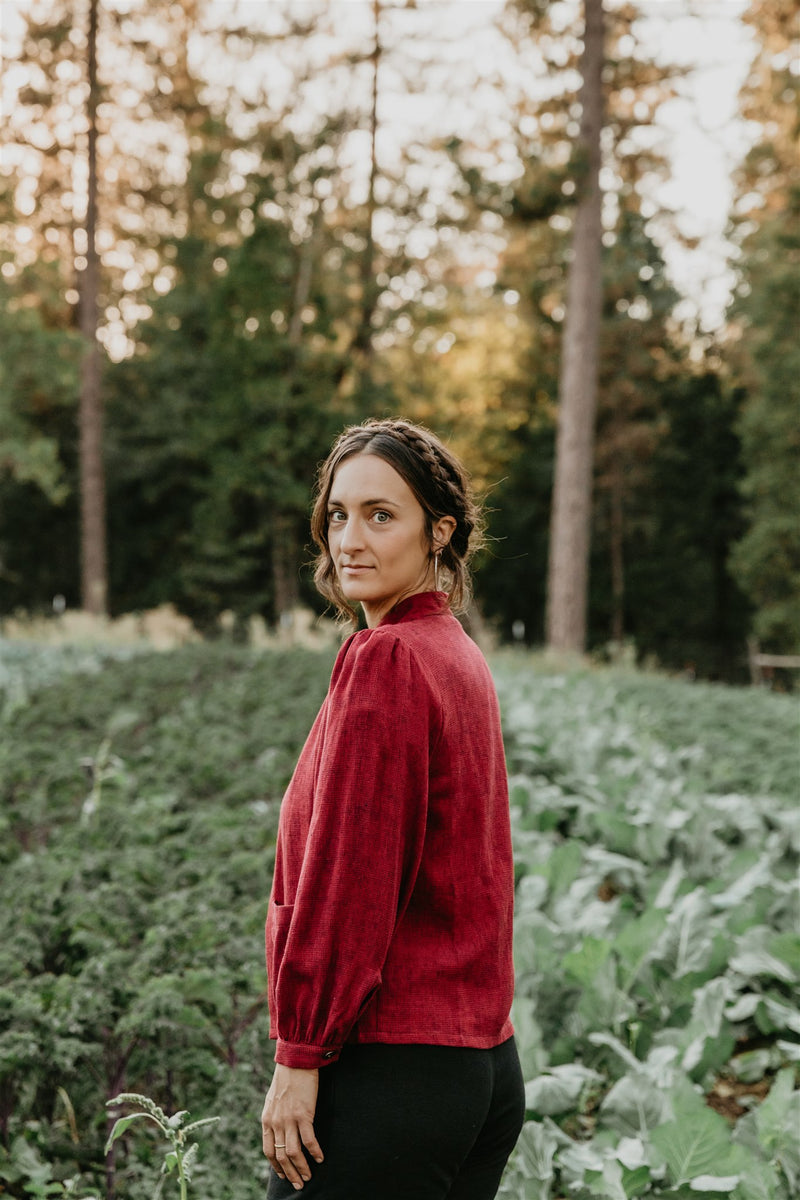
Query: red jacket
<point x="390" y="918"/>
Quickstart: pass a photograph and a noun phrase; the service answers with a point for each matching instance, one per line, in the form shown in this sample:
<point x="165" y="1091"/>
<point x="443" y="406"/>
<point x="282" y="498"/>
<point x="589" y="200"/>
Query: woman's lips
<point x="355" y="568"/>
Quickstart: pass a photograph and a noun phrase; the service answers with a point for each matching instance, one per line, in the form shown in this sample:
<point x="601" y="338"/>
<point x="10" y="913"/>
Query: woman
<point x="389" y="928"/>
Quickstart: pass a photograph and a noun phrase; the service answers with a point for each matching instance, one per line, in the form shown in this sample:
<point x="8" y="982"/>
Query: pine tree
<point x="765" y="319"/>
<point x="94" y="580"/>
<point x="634" y="333"/>
<point x="571" y="516"/>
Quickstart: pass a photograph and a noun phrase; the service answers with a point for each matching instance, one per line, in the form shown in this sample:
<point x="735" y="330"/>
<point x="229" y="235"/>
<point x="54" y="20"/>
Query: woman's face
<point x="377" y="538"/>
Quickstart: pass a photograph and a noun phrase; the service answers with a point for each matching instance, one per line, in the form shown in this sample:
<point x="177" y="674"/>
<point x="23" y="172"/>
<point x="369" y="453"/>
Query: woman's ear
<point x="443" y="530"/>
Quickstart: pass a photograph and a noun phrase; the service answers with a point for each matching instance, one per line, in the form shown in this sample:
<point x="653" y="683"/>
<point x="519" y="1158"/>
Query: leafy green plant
<point x="24" y="1171"/>
<point x="656" y="840"/>
<point x="179" y="1156"/>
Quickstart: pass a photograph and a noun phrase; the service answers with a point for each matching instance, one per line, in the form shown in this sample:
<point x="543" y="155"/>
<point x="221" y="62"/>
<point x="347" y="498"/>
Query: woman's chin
<point x="355" y="590"/>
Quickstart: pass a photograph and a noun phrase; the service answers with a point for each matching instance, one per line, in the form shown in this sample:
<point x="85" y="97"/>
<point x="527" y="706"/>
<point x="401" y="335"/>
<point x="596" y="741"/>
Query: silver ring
<point x="280" y="1145"/>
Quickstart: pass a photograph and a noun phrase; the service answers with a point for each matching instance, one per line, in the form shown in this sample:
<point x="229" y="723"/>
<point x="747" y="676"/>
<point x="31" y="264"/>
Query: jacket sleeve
<point x="363" y="848"/>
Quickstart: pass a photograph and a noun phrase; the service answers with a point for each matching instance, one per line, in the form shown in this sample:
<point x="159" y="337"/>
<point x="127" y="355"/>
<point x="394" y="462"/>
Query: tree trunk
<point x="617" y="539"/>
<point x="568" y="567"/>
<point x="284" y="568"/>
<point x="94" y="584"/>
<point x="356" y="362"/>
<point x="363" y="337"/>
<point x="285" y="549"/>
<point x="305" y="271"/>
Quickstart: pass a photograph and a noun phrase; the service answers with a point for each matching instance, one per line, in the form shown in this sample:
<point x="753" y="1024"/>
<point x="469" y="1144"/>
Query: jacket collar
<point x="422" y="604"/>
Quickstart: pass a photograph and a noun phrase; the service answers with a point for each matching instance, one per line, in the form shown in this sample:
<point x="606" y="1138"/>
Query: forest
<point x="280" y="245"/>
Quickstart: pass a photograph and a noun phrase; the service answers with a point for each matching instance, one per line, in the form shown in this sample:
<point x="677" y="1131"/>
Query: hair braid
<point x="443" y="469"/>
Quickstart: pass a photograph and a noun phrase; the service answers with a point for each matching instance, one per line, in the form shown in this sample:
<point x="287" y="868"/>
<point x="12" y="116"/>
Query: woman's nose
<point x="352" y="537"/>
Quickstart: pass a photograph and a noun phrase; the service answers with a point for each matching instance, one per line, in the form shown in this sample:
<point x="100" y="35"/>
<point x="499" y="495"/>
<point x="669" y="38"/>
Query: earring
<point x="436" y="571"/>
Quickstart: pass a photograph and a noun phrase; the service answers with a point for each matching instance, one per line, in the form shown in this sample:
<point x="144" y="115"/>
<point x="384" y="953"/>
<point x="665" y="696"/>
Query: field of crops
<point x="657" y="842"/>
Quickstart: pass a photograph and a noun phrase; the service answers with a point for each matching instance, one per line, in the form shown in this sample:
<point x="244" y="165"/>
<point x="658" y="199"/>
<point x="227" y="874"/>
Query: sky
<point x="702" y="134"/>
<point x="705" y="140"/>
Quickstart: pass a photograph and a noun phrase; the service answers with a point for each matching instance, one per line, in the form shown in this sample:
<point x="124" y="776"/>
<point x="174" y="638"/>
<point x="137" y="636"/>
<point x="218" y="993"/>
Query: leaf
<point x="536" y="1148"/>
<point x="575" y="1160"/>
<point x="608" y="1039"/>
<point x="636" y="1180"/>
<point x="685" y="944"/>
<point x="753" y="963"/>
<point x="709" y="1044"/>
<point x="564" y="866"/>
<point x="696" y="1143"/>
<point x="143" y="1101"/>
<point x="189" y="1159"/>
<point x="772" y="1113"/>
<point x="786" y="947"/>
<point x="608" y="1182"/>
<point x="789" y="1050"/>
<point x="669" y="888"/>
<point x="774" y="1015"/>
<point x="709" y="1005"/>
<point x="528" y="1032"/>
<point x="606" y="863"/>
<point x="633" y="1105"/>
<point x="743" y="1008"/>
<point x="584" y="963"/>
<point x="631" y="1153"/>
<point x="559" y="1090"/>
<point x="636" y="939"/>
<point x="751" y="1065"/>
<point x="531" y="893"/>
<point x="123" y="1123"/>
<point x="714" y="1183"/>
<point x="756" y="876"/>
<point x="201" y="1124"/>
<point x="759" y="1181"/>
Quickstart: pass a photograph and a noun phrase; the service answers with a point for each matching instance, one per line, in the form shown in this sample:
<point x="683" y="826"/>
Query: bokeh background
<point x="266" y="219"/>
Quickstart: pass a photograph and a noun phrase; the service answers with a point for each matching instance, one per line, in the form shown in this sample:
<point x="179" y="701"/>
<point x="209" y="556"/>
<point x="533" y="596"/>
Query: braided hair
<point x="438" y="481"/>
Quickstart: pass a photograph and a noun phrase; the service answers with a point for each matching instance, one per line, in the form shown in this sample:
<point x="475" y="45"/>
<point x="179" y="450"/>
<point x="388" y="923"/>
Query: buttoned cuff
<point x="304" y="1057"/>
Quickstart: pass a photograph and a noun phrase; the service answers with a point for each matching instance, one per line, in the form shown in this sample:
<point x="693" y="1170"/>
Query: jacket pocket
<point x="278" y="922"/>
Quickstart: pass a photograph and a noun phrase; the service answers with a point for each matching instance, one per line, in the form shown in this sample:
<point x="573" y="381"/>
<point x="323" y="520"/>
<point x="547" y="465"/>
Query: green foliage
<point x="684" y="606"/>
<point x="179" y="1157"/>
<point x="767" y="558"/>
<point x="680" y="459"/>
<point x="657" y="849"/>
<point x="38" y="399"/>
<point x="215" y="434"/>
<point x="656" y="845"/>
<point x="139" y="807"/>
<point x="510" y="582"/>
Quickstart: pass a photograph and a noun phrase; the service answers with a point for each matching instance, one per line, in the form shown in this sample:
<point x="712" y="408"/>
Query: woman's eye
<point x="382" y="517"/>
<point x="336" y="516"/>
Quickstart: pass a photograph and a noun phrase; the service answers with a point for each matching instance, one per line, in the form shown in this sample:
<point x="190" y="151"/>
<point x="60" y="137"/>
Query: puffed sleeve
<point x="363" y="848"/>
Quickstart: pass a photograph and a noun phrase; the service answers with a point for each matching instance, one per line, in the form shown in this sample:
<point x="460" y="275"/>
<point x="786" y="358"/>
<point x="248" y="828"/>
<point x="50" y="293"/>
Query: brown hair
<point x="437" y="479"/>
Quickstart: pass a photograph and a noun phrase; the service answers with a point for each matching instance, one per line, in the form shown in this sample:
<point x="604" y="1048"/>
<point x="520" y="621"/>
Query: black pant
<point x="413" y="1123"/>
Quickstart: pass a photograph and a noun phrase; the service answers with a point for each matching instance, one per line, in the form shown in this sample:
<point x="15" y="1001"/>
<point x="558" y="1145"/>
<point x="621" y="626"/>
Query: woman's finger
<point x="309" y="1140"/>
<point x="270" y="1139"/>
<point x="292" y="1160"/>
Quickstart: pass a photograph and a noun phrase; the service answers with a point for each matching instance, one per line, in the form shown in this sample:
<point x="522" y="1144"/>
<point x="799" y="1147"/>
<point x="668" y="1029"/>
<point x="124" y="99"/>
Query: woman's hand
<point x="287" y="1123"/>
